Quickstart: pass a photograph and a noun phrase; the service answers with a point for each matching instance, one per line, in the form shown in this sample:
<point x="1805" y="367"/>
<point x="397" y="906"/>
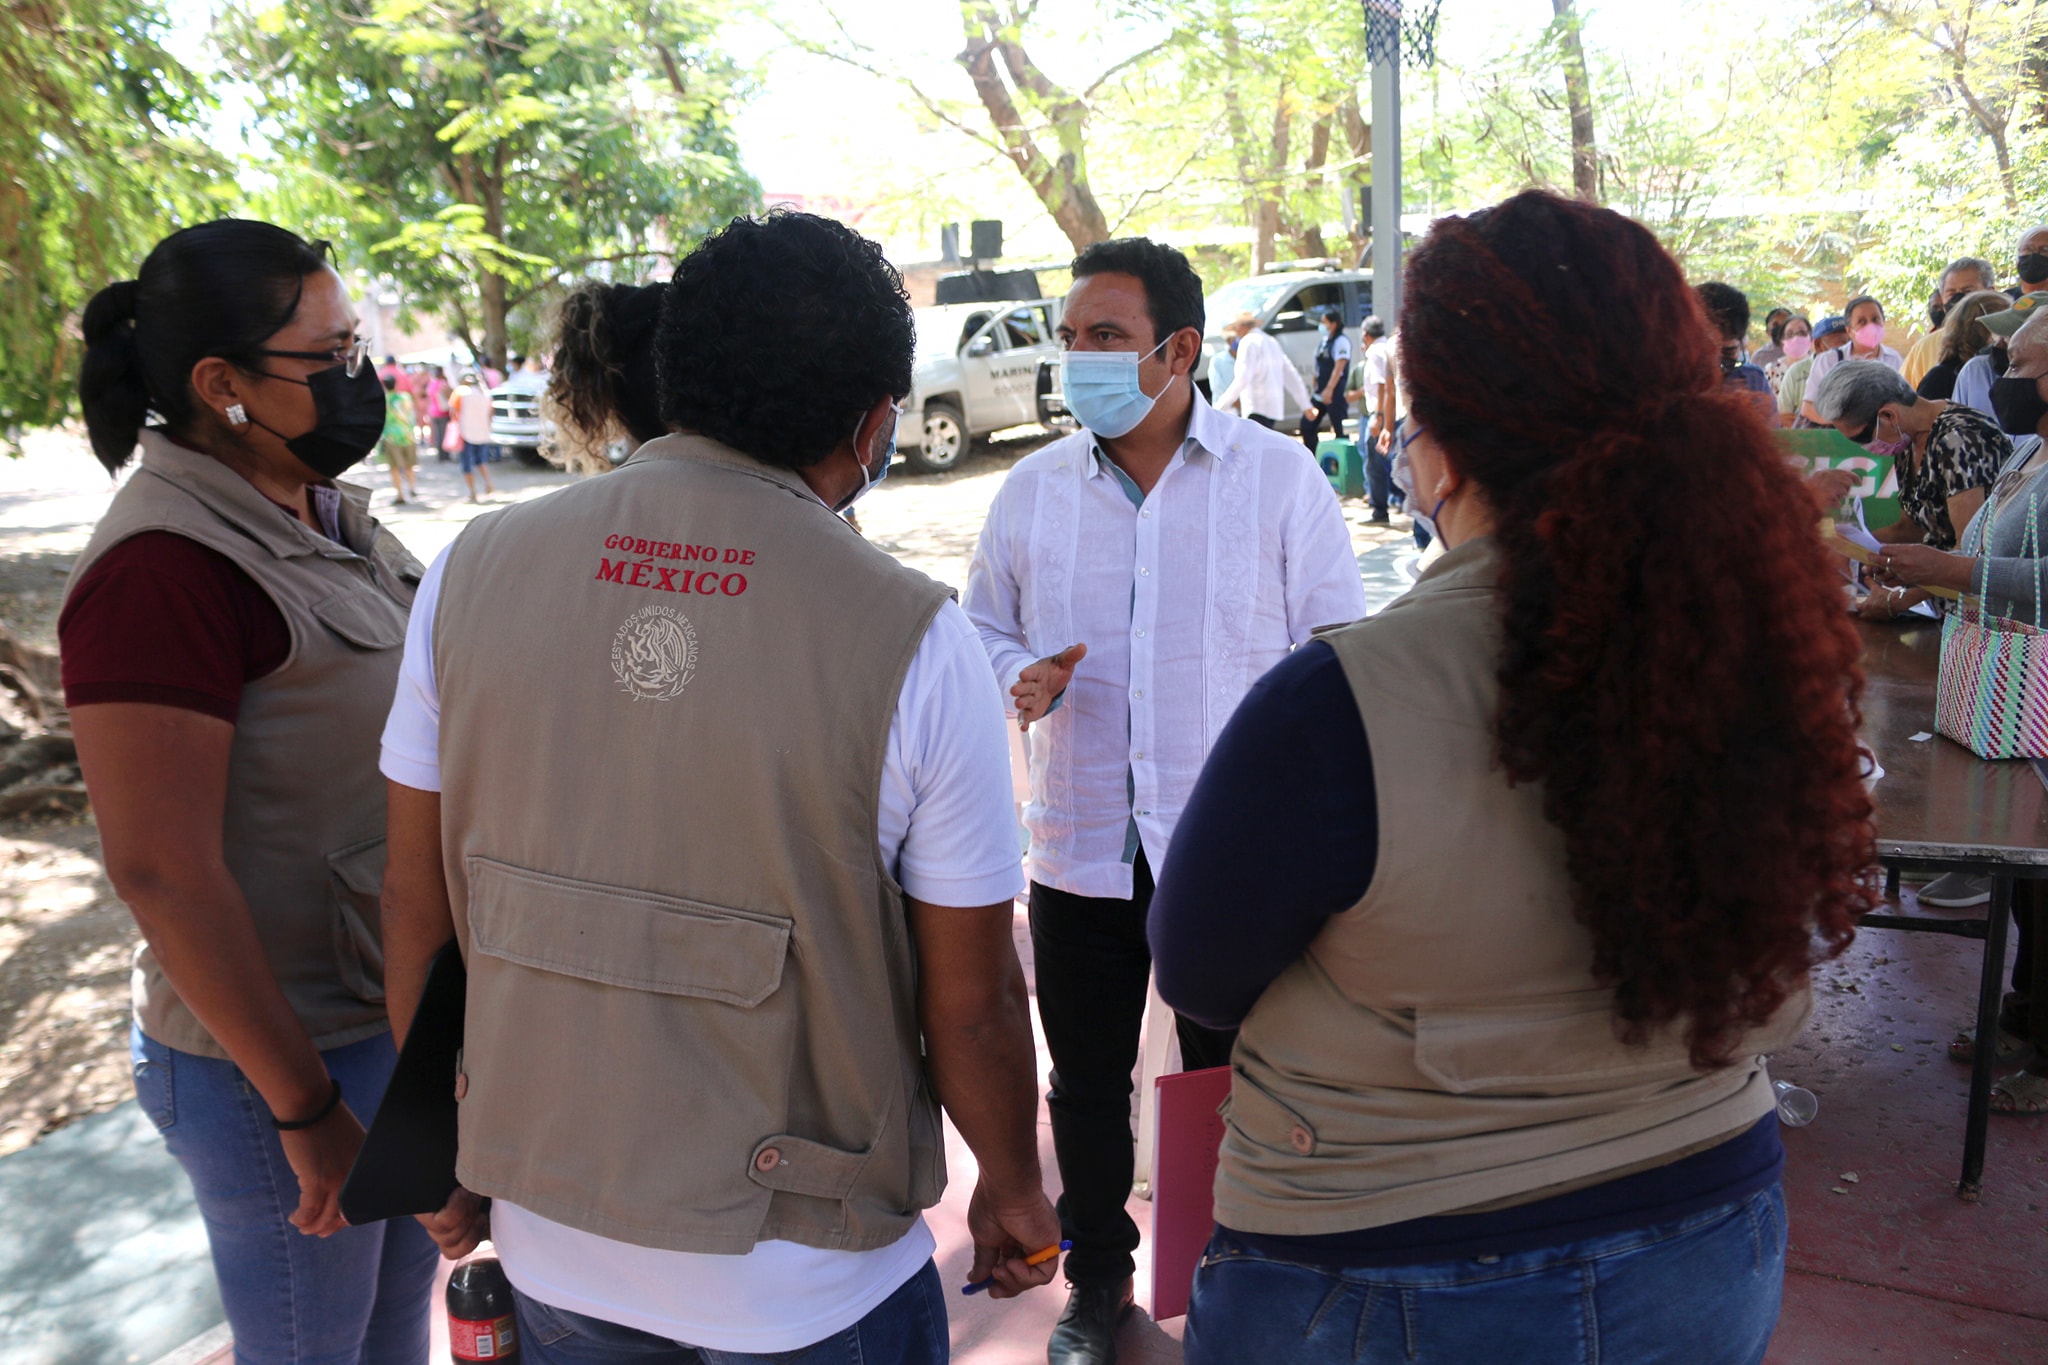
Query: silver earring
<point x="236" y="415"/>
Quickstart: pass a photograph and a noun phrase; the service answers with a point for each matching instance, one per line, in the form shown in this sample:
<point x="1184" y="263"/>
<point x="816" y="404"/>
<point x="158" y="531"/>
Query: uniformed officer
<point x="1333" y="368"/>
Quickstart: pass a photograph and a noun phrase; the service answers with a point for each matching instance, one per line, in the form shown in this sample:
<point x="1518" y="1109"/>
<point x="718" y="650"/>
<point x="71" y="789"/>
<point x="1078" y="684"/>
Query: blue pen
<point x="1035" y="1258"/>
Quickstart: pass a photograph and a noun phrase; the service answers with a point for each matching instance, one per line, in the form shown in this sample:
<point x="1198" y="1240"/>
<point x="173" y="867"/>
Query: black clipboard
<point x="407" y="1162"/>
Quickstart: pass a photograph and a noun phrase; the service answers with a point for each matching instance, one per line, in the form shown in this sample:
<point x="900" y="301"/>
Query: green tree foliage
<point x="98" y="159"/>
<point x="1958" y="159"/>
<point x="479" y="152"/>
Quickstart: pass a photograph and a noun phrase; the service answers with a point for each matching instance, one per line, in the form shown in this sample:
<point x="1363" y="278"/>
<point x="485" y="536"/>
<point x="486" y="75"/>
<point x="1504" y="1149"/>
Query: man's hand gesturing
<point x="1040" y="684"/>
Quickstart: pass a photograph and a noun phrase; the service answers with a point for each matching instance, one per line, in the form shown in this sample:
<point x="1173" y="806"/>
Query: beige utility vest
<point x="665" y="698"/>
<point x="303" y="830"/>
<point x="1443" y="1046"/>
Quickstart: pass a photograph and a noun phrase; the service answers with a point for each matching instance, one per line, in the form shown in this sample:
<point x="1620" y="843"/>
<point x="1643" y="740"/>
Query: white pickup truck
<point x="976" y="372"/>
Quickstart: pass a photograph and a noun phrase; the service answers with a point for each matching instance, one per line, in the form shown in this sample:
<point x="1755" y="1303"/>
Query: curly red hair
<point x="1679" y="671"/>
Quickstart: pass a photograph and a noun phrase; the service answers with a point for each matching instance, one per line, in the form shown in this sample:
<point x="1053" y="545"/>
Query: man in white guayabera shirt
<point x="1133" y="580"/>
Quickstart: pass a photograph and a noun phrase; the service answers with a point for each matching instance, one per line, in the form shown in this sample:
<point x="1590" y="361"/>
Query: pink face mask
<point x="1870" y="334"/>
<point x="1798" y="347"/>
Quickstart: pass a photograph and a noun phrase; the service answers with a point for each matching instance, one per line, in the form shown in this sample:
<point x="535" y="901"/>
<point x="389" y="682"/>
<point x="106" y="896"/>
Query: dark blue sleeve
<point x="1281" y="832"/>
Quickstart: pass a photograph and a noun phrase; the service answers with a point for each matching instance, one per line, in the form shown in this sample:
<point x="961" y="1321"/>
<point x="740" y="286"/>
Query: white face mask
<point x="1404" y="479"/>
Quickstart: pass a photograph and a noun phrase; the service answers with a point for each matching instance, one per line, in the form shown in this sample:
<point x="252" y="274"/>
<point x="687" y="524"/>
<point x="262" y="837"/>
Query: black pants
<point x="1335" y="413"/>
<point x="1261" y="419"/>
<point x="2025" y="1012"/>
<point x="1092" y="967"/>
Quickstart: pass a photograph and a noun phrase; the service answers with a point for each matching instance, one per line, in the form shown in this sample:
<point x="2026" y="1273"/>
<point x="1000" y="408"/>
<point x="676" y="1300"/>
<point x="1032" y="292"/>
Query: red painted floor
<point x="1895" y="1270"/>
<point x="1898" y="1268"/>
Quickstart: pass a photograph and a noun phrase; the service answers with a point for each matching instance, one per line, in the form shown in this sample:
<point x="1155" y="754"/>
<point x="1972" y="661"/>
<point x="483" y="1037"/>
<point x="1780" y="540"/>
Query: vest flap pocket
<point x="365" y="619"/>
<point x="801" y="1166"/>
<point x="1558" y="1045"/>
<point x="622" y="937"/>
<point x="356" y="874"/>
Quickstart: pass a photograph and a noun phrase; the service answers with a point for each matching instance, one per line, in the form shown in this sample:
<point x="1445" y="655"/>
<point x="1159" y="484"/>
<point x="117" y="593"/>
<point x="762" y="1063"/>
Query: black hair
<point x="1727" y="308"/>
<point x="1373" y="327"/>
<point x="1853" y="304"/>
<point x="1173" y="291"/>
<point x="1774" y="323"/>
<point x="216" y="289"/>
<point x="604" y="358"/>
<point x="391" y="383"/>
<point x="778" y="334"/>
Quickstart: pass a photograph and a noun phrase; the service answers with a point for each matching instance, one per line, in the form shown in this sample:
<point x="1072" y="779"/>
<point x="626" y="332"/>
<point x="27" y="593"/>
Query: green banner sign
<point x="1819" y="448"/>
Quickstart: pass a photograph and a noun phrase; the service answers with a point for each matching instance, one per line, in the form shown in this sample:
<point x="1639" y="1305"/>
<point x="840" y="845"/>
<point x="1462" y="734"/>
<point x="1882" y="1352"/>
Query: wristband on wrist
<point x="299" y="1125"/>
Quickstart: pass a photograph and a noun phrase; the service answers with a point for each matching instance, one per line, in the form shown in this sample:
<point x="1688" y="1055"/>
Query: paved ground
<point x="102" y="1259"/>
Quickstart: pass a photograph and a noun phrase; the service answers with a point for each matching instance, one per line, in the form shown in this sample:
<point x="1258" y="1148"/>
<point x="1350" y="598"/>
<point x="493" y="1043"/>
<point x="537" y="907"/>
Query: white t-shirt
<point x="1377" y="357"/>
<point x="949" y="830"/>
<point x="473" y="415"/>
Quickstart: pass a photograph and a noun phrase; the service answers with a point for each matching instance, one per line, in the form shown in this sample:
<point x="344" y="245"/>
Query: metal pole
<point x="1386" y="187"/>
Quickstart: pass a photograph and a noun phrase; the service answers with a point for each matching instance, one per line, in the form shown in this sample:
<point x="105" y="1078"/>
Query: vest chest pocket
<point x="357" y="876"/>
<point x="366" y="619"/>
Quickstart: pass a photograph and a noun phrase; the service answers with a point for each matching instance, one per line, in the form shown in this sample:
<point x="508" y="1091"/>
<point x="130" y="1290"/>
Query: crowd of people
<point x="713" y="797"/>
<point x="453" y="419"/>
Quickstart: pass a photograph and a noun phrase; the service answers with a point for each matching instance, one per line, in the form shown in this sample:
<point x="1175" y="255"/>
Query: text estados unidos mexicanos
<point x="636" y="567"/>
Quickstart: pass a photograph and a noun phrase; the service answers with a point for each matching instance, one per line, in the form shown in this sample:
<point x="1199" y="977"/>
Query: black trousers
<point x="1334" y="414"/>
<point x="1261" y="419"/>
<point x="1092" y="965"/>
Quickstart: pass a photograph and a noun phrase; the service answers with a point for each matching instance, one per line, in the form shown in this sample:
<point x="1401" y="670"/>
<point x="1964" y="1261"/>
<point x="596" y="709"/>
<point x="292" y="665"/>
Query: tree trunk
<point x="1994" y="128"/>
<point x="1060" y="180"/>
<point x="1578" y="93"/>
<point x="1308" y="236"/>
<point x="1357" y="141"/>
<point x="492" y="288"/>
<point x="1267" y="223"/>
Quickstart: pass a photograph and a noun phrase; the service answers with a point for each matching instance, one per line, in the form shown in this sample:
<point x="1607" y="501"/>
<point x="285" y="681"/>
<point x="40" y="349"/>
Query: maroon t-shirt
<point x="166" y="620"/>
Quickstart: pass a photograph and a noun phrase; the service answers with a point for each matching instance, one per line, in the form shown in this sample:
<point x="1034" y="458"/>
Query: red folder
<point x="1190" y="1136"/>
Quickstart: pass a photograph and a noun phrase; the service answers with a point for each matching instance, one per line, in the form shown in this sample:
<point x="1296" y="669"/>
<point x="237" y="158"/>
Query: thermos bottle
<point x="480" y="1323"/>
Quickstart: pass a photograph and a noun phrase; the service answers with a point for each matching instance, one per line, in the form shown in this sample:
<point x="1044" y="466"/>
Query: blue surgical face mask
<point x="1102" y="389"/>
<point x="868" y="478"/>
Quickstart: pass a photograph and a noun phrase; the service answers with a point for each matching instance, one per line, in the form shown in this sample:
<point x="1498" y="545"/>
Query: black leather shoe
<point x="1086" y="1334"/>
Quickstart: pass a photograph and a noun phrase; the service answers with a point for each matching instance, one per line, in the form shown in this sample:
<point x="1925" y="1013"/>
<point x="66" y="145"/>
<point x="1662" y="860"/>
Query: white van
<point x="976" y="372"/>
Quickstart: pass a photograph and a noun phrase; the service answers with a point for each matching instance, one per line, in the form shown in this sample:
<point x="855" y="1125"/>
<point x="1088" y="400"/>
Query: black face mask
<point x="2018" y="405"/>
<point x="1999" y="359"/>
<point x="1937" y="313"/>
<point x="2033" y="267"/>
<point x="348" y="419"/>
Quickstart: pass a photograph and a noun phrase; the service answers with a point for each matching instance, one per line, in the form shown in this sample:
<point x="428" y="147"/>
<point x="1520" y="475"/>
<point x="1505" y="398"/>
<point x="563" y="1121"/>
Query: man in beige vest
<point x="715" y="798"/>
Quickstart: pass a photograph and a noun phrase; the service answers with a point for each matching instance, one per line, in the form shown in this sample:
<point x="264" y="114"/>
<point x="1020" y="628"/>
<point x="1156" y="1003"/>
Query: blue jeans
<point x="907" y="1328"/>
<point x="359" y="1297"/>
<point x="1702" y="1290"/>
<point x="474" y="454"/>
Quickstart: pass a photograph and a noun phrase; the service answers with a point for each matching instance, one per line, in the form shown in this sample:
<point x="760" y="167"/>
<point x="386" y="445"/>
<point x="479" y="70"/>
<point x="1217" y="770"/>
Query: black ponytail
<point x="110" y="382"/>
<point x="217" y="289"/>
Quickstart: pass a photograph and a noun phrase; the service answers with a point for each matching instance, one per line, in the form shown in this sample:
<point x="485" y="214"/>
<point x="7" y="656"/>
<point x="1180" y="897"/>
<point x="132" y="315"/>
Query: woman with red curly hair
<point x="1510" y="887"/>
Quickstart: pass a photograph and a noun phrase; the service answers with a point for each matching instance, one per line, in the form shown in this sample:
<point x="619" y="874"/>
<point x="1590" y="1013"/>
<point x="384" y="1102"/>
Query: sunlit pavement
<point x="102" y="1259"/>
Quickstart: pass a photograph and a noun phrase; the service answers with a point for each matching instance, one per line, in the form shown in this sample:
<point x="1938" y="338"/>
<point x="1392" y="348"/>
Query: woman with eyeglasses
<point x="230" y="643"/>
<point x="1946" y="455"/>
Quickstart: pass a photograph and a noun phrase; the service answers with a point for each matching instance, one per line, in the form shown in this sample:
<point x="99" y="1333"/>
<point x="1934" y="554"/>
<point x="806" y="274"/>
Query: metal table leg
<point x="1988" y="991"/>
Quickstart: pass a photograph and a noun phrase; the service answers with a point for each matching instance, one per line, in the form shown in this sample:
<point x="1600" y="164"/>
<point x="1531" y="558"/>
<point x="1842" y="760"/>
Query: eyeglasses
<point x="351" y="357"/>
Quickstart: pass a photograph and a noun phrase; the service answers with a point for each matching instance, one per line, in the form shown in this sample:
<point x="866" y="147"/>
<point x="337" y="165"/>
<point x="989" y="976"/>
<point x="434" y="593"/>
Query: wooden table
<point x="1941" y="808"/>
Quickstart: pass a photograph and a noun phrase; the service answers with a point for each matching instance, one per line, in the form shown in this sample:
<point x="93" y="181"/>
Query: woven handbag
<point x="1992" y="695"/>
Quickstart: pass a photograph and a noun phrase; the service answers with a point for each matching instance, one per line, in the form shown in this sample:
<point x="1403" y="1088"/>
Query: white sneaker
<point x="1956" y="891"/>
